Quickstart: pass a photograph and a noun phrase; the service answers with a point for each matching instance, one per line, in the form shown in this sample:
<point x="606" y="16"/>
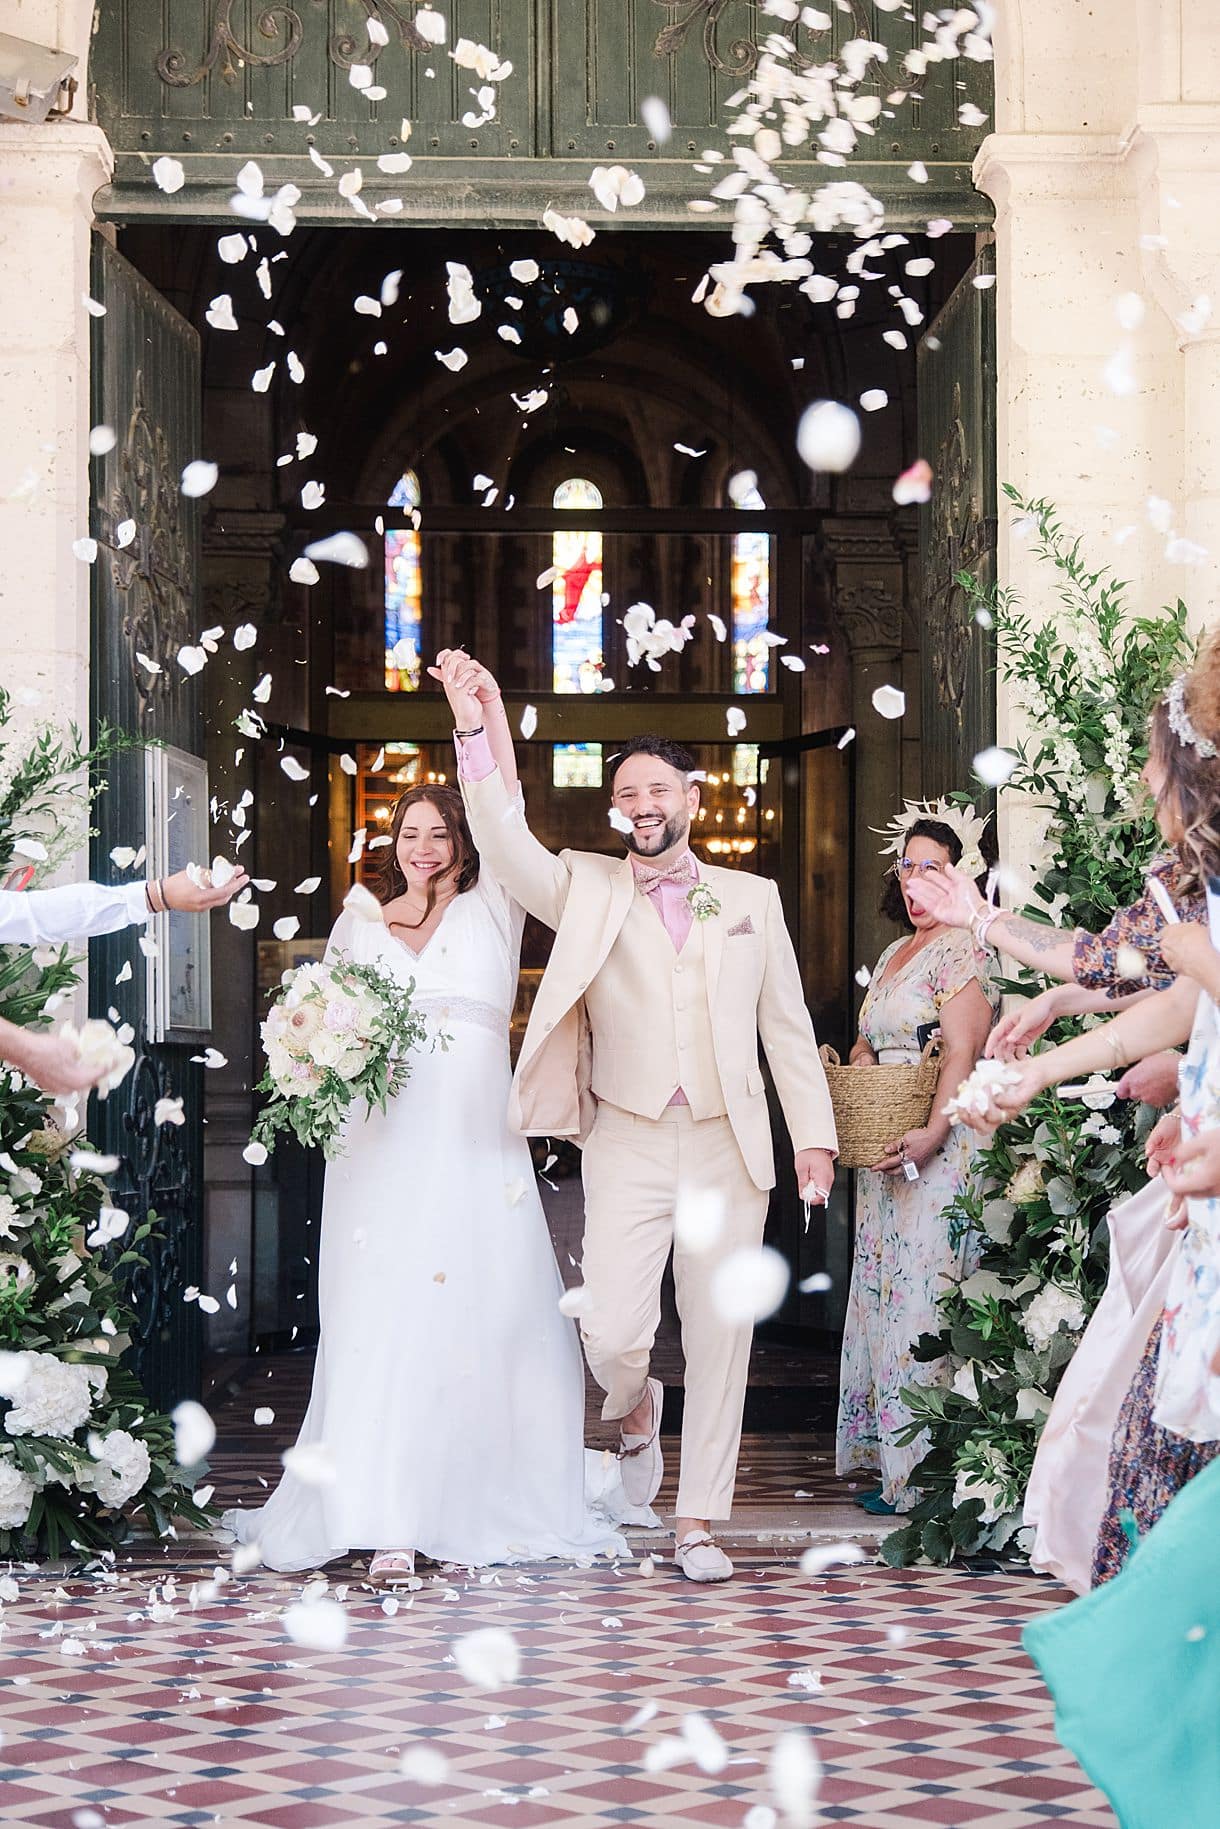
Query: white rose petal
<point x="361" y="902"/>
<point x="304" y="571"/>
<point x="168" y="174"/>
<point x="219" y="313"/>
<point x="168" y="1111"/>
<point x="194" y="1433"/>
<point x="529" y="722"/>
<point x="452" y="359"/>
<point x="191" y="659"/>
<point x="199" y="477"/>
<point x="255" y="1153"/>
<point x="260" y="380"/>
<point x="828" y="436"/>
<point x="394" y="163"/>
<point x="293" y="769"/>
<point x="750" y="1284"/>
<point x="102" y="438"/>
<point x="431" y="25"/>
<point x="232" y="248"/>
<point x="263" y="1417"/>
<point x="244" y="915"/>
<point x="307" y="885"/>
<point x="796" y="1778"/>
<point x="425" y="1765"/>
<point x="574" y="1301"/>
<point x="340" y="549"/>
<point x="993" y="766"/>
<point x="316" y="1625"/>
<point x="489" y="1659"/>
<point x="873" y="399"/>
<point x="312" y="1463"/>
<point x="85" y="549"/>
<point x="888" y="702"/>
<point x="735" y="720"/>
<point x="287" y="927"/>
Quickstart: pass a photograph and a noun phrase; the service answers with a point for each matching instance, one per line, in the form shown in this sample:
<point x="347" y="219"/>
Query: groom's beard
<point x="655" y="840"/>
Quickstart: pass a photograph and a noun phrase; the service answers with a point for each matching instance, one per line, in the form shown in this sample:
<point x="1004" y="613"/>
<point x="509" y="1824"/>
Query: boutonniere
<point x="703" y="904"/>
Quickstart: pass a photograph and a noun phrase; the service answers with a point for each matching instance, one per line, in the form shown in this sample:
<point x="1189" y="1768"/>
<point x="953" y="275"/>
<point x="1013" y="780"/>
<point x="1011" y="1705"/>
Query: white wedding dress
<point x="448" y="1392"/>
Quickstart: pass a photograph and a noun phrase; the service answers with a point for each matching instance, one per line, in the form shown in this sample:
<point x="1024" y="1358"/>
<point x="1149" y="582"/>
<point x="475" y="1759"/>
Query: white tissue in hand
<point x="976" y="1092"/>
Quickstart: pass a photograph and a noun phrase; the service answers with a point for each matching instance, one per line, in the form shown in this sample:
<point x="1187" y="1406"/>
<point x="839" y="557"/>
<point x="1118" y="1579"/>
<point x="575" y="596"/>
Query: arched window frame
<point x="403" y="595"/>
<point x="578" y="630"/>
<point x="750" y="603"/>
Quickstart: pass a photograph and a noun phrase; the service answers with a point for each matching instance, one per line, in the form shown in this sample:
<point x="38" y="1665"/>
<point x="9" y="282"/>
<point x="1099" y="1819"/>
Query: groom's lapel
<point x="714" y="929"/>
<point x="622" y="888"/>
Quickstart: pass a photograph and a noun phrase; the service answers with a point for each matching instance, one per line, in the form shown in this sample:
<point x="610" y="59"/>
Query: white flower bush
<point x="1088" y="675"/>
<point x="51" y="1397"/>
<point x="16" y="1495"/>
<point x="122" y="1465"/>
<point x="1051" y="1309"/>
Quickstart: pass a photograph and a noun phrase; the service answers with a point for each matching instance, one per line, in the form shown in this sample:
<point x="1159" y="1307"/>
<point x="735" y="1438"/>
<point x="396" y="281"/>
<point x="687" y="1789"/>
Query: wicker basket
<point x="873" y="1105"/>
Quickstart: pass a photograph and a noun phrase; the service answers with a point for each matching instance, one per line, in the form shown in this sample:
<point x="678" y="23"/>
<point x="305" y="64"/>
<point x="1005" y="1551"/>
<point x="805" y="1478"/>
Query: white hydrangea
<point x="53" y="1398"/>
<point x="122" y="1466"/>
<point x="16" y="1495"/>
<point x="993" y="1493"/>
<point x="1051" y="1308"/>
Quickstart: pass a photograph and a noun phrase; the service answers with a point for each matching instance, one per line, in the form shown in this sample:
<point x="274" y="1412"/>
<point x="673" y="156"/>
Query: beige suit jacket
<point x="753" y="987"/>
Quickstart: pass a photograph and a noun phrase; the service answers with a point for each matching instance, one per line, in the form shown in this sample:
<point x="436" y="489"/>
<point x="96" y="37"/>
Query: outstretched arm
<point x="464" y="678"/>
<point x="51" y="1061"/>
<point x="792" y="1053"/>
<point x="39" y="917"/>
<point x="530" y="873"/>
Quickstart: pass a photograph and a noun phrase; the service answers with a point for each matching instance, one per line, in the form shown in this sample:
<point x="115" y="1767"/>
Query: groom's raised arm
<point x="520" y="863"/>
<point x="791" y="1047"/>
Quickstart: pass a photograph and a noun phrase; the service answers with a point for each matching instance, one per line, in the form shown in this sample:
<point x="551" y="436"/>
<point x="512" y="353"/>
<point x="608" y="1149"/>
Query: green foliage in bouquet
<point x="1087" y="675"/>
<point x="82" y="1458"/>
<point x="337" y="1032"/>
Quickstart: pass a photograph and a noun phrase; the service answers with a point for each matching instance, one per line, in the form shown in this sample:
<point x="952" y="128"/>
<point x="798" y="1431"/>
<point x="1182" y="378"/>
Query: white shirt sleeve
<point x="34" y="917"/>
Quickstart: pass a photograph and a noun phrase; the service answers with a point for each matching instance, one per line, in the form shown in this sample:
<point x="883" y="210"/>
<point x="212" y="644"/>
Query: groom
<point x="643" y="1045"/>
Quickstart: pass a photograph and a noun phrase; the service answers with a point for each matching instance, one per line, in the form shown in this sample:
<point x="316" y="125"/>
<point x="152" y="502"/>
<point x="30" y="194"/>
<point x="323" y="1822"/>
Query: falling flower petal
<point x="194" y="1433"/>
<point x="735" y="719"/>
<point x="168" y="174"/>
<point x="873" y="399"/>
<point x="303" y="571"/>
<point x="287" y="927"/>
<point x="340" y="549"/>
<point x="85" y="549"/>
<point x="613" y="185"/>
<point x="529" y="722"/>
<point x="915" y="484"/>
<point x="307" y="886"/>
<point x="260" y="380"/>
<point x="889" y="702"/>
<point x="489" y="1659"/>
<point x="750" y="1284"/>
<point x="255" y="1153"/>
<point x="828" y="437"/>
<point x="168" y="1111"/>
<point x="294" y="770"/>
<point x="316" y="1625"/>
<point x="993" y="766"/>
<point x="102" y="438"/>
<point x="199" y="477"/>
<point x="244" y="915"/>
<point x="191" y="659"/>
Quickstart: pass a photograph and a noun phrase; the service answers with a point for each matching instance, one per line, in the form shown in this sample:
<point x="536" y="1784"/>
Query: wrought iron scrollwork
<point x="277" y="21"/>
<point x="959" y="537"/>
<point x="742" y="53"/>
<point x="155" y="1176"/>
<point x="346" y="49"/>
<point x="154" y="572"/>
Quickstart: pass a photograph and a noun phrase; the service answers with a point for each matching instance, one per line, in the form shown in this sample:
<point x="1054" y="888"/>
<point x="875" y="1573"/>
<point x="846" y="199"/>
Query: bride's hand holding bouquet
<point x="337" y="1032"/>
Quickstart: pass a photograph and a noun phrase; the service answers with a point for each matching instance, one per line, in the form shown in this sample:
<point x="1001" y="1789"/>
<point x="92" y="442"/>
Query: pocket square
<point x="741" y="927"/>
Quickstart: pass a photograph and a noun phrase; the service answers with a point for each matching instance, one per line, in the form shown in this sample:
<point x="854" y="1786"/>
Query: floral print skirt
<point x="1148" y="1468"/>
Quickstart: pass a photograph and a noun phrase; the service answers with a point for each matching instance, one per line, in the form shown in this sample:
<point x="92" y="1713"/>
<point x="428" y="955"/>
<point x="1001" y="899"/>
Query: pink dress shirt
<point x="475" y="763"/>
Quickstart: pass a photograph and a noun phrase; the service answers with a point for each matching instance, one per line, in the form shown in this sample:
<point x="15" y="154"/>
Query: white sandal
<point x="392" y="1568"/>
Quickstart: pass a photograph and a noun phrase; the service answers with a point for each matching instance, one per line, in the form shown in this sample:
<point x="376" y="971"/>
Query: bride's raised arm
<point x="475" y="699"/>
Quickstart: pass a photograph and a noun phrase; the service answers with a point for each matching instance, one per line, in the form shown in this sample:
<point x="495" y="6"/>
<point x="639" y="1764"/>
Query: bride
<point x="447" y="1410"/>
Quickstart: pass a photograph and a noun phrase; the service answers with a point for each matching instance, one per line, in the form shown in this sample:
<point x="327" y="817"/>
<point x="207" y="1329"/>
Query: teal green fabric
<point x="1134" y="1668"/>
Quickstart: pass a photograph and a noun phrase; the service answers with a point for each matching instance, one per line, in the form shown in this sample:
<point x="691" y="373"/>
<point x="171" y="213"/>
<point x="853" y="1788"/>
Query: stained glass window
<point x="404" y="631"/>
<point x="751" y="591"/>
<point x="576" y="765"/>
<point x="577" y="632"/>
<point x="746" y="770"/>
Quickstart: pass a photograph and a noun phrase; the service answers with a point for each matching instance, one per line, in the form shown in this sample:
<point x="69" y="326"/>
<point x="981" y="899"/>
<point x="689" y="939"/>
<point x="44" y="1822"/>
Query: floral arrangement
<point x="338" y="1032"/>
<point x="1087" y="675"/>
<point x="82" y="1458"/>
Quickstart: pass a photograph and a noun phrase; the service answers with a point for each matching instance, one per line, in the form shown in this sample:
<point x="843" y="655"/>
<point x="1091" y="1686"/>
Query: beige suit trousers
<point x="637" y="1172"/>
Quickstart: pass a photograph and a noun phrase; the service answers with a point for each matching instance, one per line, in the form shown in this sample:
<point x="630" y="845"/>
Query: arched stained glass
<point x="577" y="626"/>
<point x="751" y="595"/>
<point x="404" y="630"/>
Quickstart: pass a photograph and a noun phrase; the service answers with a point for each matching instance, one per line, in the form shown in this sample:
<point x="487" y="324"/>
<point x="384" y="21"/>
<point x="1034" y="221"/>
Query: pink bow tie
<point x="682" y="870"/>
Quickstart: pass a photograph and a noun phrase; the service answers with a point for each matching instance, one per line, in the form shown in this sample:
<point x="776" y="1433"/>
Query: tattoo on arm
<point x="1034" y="934"/>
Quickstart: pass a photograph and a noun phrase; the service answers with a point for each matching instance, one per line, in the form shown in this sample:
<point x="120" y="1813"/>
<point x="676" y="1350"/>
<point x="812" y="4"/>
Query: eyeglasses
<point x="906" y="865"/>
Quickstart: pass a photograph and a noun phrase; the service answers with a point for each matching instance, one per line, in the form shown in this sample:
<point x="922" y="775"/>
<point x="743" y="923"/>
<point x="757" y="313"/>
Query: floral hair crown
<point x="1181" y="726"/>
<point x="964" y="822"/>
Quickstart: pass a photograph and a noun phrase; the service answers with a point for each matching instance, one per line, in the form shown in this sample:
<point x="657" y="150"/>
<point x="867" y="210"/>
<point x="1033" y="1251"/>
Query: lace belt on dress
<point x="442" y="1010"/>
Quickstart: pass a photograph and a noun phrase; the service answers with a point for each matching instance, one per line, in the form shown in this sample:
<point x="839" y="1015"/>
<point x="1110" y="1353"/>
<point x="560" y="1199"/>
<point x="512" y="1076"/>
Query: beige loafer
<point x="640" y="1456"/>
<point x="701" y="1558"/>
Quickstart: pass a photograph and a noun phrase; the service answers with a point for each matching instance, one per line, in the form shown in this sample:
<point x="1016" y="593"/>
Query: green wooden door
<point x="956" y="391"/>
<point x="146" y="386"/>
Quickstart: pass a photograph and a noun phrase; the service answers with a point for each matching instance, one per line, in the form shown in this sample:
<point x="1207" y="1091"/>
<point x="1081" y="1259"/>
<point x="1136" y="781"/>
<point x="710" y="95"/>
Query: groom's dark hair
<point x="664" y="748"/>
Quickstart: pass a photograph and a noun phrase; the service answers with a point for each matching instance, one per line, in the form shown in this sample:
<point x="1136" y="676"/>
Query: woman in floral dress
<point x="906" y="1253"/>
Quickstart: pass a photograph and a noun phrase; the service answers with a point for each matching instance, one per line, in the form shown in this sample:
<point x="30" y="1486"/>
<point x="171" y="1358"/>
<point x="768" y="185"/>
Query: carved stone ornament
<point x="154" y="571"/>
<point x="869" y="614"/>
<point x="283" y="32"/>
<point x="957" y="541"/>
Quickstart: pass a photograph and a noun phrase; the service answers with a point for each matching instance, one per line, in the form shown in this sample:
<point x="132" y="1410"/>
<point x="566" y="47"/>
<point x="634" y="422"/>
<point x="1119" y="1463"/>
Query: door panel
<point x="957" y="532"/>
<point x="145" y="384"/>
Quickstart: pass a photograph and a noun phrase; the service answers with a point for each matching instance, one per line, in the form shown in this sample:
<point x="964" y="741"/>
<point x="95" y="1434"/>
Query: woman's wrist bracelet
<point x="981" y="925"/>
<point x="464" y="734"/>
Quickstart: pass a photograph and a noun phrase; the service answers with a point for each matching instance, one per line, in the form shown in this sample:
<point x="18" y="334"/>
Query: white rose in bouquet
<point x="52" y="1397"/>
<point x="1052" y="1307"/>
<point x="122" y="1466"/>
<point x="16" y="1495"/>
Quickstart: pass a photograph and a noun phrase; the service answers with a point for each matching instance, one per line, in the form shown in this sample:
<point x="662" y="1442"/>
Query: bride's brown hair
<point x="465" y="866"/>
<point x="1192" y="781"/>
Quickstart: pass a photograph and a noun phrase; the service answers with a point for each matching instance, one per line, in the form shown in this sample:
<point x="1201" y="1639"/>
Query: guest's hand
<point x="1009" y="1101"/>
<point x="862" y="1055"/>
<point x="196" y="898"/>
<point x="1015" y="1034"/>
<point x="54" y="1063"/>
<point x="952" y="898"/>
<point x="1194" y="1170"/>
<point x="1153" y="1080"/>
<point x="1163" y="1141"/>
<point x="459" y="675"/>
<point x="1187" y="951"/>
<point x="913" y="1146"/>
<point x="815" y="1171"/>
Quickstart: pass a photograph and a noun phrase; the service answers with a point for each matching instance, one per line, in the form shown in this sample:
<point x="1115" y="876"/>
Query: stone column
<point x="50" y="175"/>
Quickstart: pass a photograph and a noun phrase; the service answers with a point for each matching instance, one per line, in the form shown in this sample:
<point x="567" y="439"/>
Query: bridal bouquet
<point x="336" y="1033"/>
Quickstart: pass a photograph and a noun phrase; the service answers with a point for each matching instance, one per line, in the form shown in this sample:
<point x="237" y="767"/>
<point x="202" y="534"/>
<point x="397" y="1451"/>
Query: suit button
<point x="547" y="1027"/>
<point x="583" y="985"/>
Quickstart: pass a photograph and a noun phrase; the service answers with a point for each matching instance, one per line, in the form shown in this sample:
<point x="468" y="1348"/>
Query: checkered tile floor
<point x="127" y="1701"/>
